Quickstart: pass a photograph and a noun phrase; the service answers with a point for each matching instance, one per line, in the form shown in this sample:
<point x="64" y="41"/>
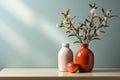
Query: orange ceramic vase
<point x="85" y="58"/>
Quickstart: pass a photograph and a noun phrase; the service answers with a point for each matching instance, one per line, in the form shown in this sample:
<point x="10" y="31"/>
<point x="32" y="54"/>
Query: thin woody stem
<point x="75" y="33"/>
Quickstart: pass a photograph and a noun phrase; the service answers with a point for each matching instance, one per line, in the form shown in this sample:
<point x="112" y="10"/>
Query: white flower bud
<point x="98" y="31"/>
<point x="103" y="23"/>
<point x="58" y="25"/>
<point x="64" y="22"/>
<point x="95" y="14"/>
<point x="84" y="26"/>
<point x="73" y="22"/>
<point x="105" y="18"/>
<point x="92" y="10"/>
<point x="68" y="16"/>
<point x="108" y="12"/>
<point x="69" y="30"/>
<point x="87" y="23"/>
<point x="80" y="34"/>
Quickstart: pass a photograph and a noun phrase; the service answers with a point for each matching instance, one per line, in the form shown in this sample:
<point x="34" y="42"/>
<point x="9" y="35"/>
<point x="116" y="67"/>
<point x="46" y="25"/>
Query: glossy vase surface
<point x="85" y="58"/>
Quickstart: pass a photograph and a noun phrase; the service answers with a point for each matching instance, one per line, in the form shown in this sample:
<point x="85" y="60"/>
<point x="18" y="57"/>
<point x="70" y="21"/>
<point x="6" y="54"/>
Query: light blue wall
<point x="29" y="38"/>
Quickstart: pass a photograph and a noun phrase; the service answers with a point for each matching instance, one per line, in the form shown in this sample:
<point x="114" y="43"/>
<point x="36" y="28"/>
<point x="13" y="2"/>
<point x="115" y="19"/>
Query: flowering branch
<point x="90" y="29"/>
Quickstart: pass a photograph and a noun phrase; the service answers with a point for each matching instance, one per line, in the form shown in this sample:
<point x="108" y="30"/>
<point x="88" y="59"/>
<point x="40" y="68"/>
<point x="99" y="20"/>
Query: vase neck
<point x="84" y="45"/>
<point x="65" y="45"/>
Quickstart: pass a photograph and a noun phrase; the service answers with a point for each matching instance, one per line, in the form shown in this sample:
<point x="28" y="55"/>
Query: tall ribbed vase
<point x="85" y="58"/>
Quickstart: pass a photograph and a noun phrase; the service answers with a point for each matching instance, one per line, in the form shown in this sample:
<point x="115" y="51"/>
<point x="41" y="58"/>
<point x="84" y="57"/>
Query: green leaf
<point x="69" y="28"/>
<point x="77" y="30"/>
<point x="81" y="37"/>
<point x="85" y="30"/>
<point x="102" y="31"/>
<point x="113" y="16"/>
<point x="67" y="19"/>
<point x="89" y="37"/>
<point x="96" y="38"/>
<point x="82" y="25"/>
<point x="79" y="23"/>
<point x="90" y="5"/>
<point x="98" y="17"/>
<point x="105" y="25"/>
<point x="68" y="31"/>
<point x="99" y="27"/>
<point x="85" y="37"/>
<point x="92" y="24"/>
<point x="89" y="30"/>
<point x="103" y="11"/>
<point x="95" y="31"/>
<point x="73" y="18"/>
<point x="80" y="28"/>
<point x="62" y="13"/>
<point x="94" y="5"/>
<point x="71" y="35"/>
<point x="94" y="35"/>
<point x="76" y="42"/>
<point x="85" y="22"/>
<point x="67" y="11"/>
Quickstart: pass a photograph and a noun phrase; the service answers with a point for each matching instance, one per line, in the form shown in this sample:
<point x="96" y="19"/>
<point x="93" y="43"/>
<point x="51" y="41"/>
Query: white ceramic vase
<point x="65" y="55"/>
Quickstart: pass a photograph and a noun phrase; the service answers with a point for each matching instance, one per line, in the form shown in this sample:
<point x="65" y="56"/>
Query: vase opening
<point x="84" y="45"/>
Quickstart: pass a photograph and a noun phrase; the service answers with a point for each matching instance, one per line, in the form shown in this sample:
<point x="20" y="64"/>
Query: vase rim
<point x="84" y="44"/>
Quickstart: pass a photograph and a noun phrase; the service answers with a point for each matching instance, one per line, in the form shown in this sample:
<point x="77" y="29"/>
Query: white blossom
<point x="69" y="30"/>
<point x="64" y="21"/>
<point x="105" y="18"/>
<point x="68" y="16"/>
<point x="108" y="12"/>
<point x="84" y="26"/>
<point x="73" y="22"/>
<point x="80" y="34"/>
<point x="58" y="25"/>
<point x="95" y="14"/>
<point x="87" y="23"/>
<point x="103" y="23"/>
<point x="92" y="10"/>
<point x="98" y="31"/>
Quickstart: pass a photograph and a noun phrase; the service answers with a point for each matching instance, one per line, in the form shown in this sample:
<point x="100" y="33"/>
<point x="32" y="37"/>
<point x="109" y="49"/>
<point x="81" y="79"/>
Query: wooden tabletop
<point x="53" y="72"/>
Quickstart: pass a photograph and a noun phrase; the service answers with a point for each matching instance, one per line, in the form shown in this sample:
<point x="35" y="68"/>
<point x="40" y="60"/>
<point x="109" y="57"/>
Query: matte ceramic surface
<point x="65" y="55"/>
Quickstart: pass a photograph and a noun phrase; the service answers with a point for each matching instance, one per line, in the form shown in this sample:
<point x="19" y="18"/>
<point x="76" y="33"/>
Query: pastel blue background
<point x="29" y="37"/>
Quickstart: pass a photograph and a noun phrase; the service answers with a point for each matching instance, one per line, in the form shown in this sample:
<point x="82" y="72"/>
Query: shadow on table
<point x="110" y="70"/>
